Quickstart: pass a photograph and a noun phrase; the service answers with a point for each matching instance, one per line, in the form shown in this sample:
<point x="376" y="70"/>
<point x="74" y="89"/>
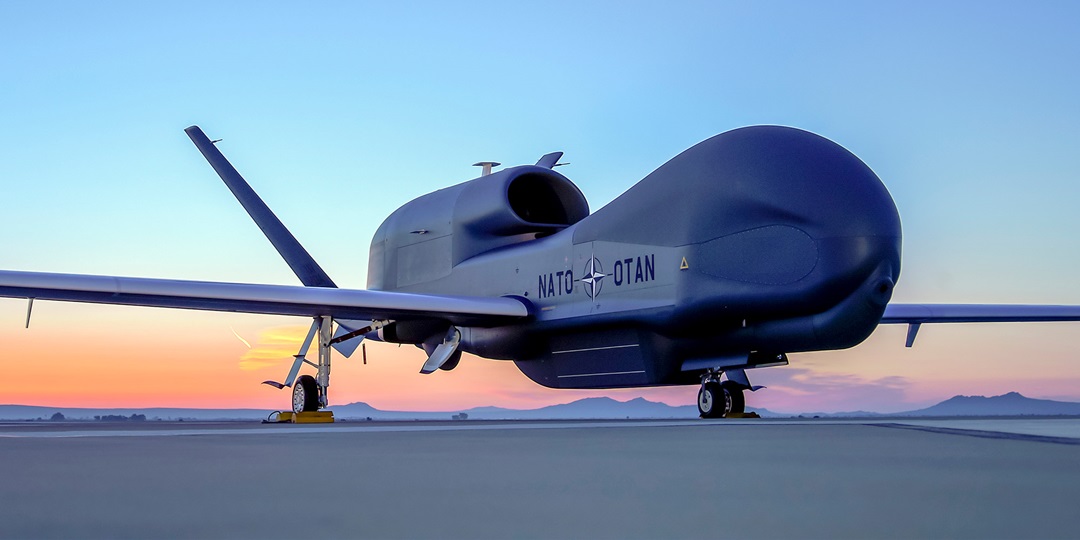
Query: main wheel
<point x="713" y="400"/>
<point x="738" y="400"/>
<point x="305" y="395"/>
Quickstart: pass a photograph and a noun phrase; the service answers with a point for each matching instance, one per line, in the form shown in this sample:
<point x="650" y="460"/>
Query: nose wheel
<point x="720" y="399"/>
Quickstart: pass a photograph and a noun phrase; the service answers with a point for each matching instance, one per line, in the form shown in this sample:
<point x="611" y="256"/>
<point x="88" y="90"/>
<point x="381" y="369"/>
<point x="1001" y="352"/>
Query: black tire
<point x="305" y="394"/>
<point x="452" y="362"/>
<point x="738" y="400"/>
<point x="713" y="400"/>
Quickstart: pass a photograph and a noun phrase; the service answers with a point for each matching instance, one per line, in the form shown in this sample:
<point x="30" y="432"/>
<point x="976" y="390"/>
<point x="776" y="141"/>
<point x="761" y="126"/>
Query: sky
<point x="339" y="112"/>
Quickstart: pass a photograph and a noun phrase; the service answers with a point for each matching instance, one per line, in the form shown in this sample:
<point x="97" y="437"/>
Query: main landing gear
<point x="309" y="394"/>
<point x="720" y="399"/>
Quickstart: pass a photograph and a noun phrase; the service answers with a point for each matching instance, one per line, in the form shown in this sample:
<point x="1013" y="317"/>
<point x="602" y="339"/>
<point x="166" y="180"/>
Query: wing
<point x="966" y="313"/>
<point x="268" y="299"/>
<point x="916" y="314"/>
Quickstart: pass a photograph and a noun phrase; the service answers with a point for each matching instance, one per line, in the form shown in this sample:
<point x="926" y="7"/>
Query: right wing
<point x="268" y="299"/>
<point x="914" y="315"/>
<point x="974" y="313"/>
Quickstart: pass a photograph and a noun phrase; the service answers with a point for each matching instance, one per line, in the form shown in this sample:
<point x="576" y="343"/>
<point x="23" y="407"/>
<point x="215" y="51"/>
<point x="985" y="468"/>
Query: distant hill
<point x="31" y="412"/>
<point x="598" y="407"/>
<point x="1011" y="404"/>
<point x="843" y="414"/>
<point x="588" y="408"/>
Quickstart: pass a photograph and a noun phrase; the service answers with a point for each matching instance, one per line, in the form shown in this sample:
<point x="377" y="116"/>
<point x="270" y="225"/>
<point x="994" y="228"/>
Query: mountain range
<point x="1010" y="404"/>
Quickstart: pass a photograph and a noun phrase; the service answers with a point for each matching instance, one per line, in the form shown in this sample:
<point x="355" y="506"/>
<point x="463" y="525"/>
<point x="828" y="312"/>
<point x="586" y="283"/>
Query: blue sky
<point x="340" y="112"/>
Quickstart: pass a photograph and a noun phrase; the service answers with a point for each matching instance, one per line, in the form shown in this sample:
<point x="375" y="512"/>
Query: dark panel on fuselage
<point x="594" y="359"/>
<point x="769" y="255"/>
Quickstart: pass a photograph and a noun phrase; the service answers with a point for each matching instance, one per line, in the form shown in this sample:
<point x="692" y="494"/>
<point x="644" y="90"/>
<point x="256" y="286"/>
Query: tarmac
<point x="950" y="478"/>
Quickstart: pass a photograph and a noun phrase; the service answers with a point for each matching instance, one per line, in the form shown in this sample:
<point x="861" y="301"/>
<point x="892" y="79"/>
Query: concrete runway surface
<point x="963" y="478"/>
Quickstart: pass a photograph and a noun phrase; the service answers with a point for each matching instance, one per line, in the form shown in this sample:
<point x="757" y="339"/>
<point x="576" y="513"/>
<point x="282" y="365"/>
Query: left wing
<point x="915" y="314"/>
<point x="268" y="299"/>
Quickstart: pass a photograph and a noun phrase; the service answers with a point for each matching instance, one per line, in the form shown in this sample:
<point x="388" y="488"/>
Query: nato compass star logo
<point x="593" y="278"/>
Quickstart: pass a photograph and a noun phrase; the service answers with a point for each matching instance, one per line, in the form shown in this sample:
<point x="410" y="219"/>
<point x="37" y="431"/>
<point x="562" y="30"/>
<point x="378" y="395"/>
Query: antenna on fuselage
<point x="487" y="165"/>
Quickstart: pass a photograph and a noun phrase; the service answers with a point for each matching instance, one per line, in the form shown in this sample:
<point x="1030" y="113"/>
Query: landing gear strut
<point x="719" y="399"/>
<point x="309" y="393"/>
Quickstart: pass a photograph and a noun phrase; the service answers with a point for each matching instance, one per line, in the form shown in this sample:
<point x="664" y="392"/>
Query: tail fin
<point x="301" y="262"/>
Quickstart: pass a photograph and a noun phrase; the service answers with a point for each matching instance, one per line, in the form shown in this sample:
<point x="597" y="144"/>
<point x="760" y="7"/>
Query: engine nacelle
<point x="424" y="239"/>
<point x="512" y="206"/>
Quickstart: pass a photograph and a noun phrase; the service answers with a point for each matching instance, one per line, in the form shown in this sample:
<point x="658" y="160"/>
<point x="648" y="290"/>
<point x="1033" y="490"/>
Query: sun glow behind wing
<point x="274" y="347"/>
<point x="118" y="356"/>
<point x="135" y="357"/>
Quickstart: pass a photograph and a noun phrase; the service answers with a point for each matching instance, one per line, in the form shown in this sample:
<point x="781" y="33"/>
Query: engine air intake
<point x="546" y="199"/>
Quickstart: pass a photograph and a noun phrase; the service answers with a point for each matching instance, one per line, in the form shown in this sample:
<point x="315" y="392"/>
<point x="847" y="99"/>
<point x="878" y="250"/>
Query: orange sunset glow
<point x="77" y="355"/>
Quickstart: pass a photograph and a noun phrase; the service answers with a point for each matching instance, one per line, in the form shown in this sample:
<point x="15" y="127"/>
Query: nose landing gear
<point x="718" y="399"/>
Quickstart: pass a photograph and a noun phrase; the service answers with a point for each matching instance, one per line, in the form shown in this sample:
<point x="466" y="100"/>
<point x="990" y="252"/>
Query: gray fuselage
<point x="759" y="240"/>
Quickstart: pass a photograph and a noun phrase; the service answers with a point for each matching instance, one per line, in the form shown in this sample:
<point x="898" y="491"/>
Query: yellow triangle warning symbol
<point x="684" y="266"/>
